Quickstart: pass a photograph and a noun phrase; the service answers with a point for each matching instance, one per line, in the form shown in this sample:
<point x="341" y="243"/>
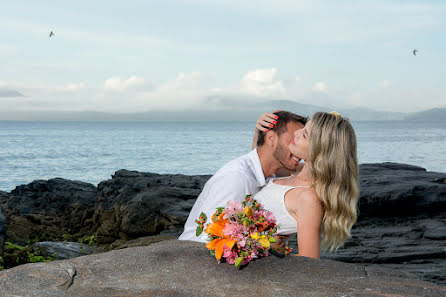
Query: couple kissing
<point x="316" y="199"/>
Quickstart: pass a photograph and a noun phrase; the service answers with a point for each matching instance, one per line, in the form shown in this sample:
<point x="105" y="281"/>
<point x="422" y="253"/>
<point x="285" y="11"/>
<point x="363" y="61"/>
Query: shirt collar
<point x="258" y="171"/>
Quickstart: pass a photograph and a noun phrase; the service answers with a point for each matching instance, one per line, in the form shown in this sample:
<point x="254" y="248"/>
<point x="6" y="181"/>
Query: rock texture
<point x="402" y="221"/>
<point x="390" y="189"/>
<point x="415" y="244"/>
<point x="176" y="268"/>
<point x="64" y="250"/>
<point x="48" y="210"/>
<point x="134" y="204"/>
<point x="2" y="232"/>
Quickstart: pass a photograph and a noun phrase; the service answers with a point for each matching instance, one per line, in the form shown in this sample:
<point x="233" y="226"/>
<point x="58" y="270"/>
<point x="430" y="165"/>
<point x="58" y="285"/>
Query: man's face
<point x="282" y="152"/>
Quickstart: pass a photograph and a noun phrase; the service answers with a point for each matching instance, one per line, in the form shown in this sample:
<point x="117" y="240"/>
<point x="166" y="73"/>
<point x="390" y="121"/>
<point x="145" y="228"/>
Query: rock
<point x="134" y="204"/>
<point x="401" y="222"/>
<point x="2" y="233"/>
<point x="48" y="210"/>
<point x="142" y="241"/>
<point x="64" y="250"/>
<point x="391" y="189"/>
<point x="179" y="268"/>
<point x="409" y="243"/>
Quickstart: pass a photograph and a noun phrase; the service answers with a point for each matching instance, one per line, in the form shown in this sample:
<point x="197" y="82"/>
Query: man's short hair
<point x="284" y="118"/>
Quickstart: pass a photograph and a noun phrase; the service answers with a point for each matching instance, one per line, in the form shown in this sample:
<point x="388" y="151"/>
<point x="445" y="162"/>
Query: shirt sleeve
<point x="225" y="187"/>
<point x="221" y="188"/>
<point x="230" y="186"/>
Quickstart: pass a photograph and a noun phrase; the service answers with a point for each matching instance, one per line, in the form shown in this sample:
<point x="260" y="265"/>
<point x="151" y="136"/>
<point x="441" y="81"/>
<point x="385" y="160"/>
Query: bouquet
<point x="239" y="232"/>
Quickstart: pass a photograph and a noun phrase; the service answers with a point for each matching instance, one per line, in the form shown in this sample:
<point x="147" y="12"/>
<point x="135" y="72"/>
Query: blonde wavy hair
<point x="334" y="171"/>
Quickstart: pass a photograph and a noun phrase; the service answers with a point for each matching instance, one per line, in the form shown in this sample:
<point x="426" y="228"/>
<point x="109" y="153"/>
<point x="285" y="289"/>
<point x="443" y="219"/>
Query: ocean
<point x="93" y="151"/>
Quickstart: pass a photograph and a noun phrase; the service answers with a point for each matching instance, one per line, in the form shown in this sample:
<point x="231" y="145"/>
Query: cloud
<point x="384" y="84"/>
<point x="263" y="83"/>
<point x="71" y="87"/>
<point x="198" y="91"/>
<point x="10" y="93"/>
<point x="186" y="81"/>
<point x="117" y="84"/>
<point x="320" y="87"/>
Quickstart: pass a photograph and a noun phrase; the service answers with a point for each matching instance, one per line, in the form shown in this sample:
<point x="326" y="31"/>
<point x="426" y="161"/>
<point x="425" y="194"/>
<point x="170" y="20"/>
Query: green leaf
<point x="204" y="216"/>
<point x="271" y="239"/>
<point x="238" y="262"/>
<point x="199" y="231"/>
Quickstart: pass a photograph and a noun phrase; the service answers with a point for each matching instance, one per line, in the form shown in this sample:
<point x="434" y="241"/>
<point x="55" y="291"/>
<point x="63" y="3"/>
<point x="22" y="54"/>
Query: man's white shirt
<point x="235" y="180"/>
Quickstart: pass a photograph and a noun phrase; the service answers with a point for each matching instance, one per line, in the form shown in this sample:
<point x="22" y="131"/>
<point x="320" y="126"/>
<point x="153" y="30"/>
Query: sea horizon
<point x="91" y="151"/>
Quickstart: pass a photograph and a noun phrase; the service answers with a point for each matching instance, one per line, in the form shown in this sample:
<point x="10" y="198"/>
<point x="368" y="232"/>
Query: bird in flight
<point x="415" y="52"/>
<point x="51" y="34"/>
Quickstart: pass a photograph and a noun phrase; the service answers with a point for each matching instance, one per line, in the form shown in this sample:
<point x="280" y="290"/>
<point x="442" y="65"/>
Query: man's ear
<point x="271" y="138"/>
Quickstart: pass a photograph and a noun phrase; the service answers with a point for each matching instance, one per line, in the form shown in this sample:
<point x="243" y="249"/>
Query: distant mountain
<point x="367" y="114"/>
<point x="354" y="114"/>
<point x="229" y="110"/>
<point x="431" y="115"/>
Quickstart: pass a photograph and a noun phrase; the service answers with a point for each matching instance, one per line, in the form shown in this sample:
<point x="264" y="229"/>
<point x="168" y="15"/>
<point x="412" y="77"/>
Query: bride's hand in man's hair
<point x="266" y="121"/>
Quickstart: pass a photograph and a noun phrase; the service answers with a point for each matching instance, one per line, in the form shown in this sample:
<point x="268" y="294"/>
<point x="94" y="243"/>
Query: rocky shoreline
<point x="402" y="221"/>
<point x="184" y="268"/>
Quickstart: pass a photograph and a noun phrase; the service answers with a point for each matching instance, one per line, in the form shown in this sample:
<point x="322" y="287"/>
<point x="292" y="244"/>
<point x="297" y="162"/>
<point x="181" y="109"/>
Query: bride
<point x="320" y="202"/>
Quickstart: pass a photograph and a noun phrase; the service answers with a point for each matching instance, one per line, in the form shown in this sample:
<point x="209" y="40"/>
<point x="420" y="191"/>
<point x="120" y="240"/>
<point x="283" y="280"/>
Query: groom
<point x="248" y="173"/>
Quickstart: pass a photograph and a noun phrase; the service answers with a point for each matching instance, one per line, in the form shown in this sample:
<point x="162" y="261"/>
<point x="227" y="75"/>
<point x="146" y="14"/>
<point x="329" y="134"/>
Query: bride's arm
<point x="264" y="122"/>
<point x="308" y="212"/>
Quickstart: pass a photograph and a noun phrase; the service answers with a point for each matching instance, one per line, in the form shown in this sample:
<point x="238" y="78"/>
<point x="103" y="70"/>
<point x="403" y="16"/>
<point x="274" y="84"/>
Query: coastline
<point x="402" y="222"/>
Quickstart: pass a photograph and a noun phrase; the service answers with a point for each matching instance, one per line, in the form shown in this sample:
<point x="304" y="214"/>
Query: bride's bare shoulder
<point x="304" y="199"/>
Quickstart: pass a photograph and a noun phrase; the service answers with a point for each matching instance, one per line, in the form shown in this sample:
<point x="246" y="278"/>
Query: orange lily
<point x="219" y="218"/>
<point x="218" y="243"/>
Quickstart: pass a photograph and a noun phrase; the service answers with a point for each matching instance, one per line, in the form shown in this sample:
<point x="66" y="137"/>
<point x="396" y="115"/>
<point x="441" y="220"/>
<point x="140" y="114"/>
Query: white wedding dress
<point x="272" y="197"/>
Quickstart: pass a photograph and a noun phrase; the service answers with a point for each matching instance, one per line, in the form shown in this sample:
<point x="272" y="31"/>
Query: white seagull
<point x="51" y="34"/>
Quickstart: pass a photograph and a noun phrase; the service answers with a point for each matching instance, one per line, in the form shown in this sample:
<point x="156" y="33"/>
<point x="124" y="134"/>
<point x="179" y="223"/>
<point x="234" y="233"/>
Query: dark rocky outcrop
<point x="402" y="221"/>
<point x="48" y="210"/>
<point x="416" y="244"/>
<point x="178" y="268"/>
<point x="134" y="204"/>
<point x="401" y="224"/>
<point x="391" y="189"/>
<point x="2" y="233"/>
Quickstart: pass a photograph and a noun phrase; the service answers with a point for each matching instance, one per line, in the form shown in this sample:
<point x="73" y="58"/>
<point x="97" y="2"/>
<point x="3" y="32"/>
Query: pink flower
<point x="254" y="254"/>
<point x="230" y="256"/>
<point x="270" y="217"/>
<point x="241" y="242"/>
<point x="257" y="214"/>
<point x="233" y="207"/>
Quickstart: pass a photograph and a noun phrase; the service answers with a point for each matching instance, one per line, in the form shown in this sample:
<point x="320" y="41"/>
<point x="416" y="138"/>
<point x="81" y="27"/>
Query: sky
<point x="135" y="56"/>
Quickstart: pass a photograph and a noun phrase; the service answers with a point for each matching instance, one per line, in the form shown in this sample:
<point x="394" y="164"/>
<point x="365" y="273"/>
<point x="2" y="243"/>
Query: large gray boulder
<point x="176" y="268"/>
<point x="49" y="210"/>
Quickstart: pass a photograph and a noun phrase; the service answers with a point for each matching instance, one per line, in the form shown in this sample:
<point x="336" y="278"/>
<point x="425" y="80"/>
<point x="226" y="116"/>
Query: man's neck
<point x="269" y="163"/>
